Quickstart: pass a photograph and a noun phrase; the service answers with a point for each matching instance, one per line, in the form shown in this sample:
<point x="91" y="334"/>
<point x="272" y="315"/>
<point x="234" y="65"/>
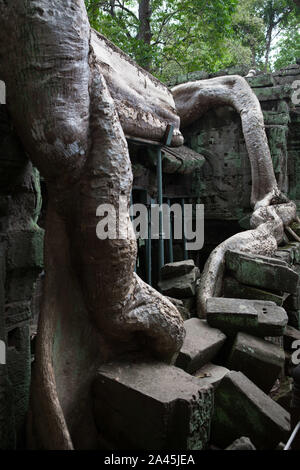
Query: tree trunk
<point x="94" y="306"/>
<point x="268" y="45"/>
<point x="145" y="33"/>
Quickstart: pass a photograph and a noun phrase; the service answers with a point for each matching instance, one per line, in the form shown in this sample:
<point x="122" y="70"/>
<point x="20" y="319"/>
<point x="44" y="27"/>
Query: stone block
<point x="201" y="344"/>
<point x="242" y="409"/>
<point x="151" y="406"/>
<point x="211" y="374"/>
<point x="16" y="313"/>
<point x="263" y="272"/>
<point x="234" y="289"/>
<point x="260" y="360"/>
<point x="25" y="249"/>
<point x="180" y="268"/>
<point x="272" y="118"/>
<point x="20" y="285"/>
<point x="250" y="316"/>
<point x="2" y="290"/>
<point x="273" y="93"/>
<point x="183" y="286"/>
<point x="243" y="443"/>
<point x="258" y="81"/>
<point x="19" y="365"/>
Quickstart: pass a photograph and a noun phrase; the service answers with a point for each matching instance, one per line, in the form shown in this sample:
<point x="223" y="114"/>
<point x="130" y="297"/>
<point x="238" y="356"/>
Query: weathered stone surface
<point x="243" y="443"/>
<point x="201" y="344"/>
<point x="180" y="287"/>
<point x="211" y="374"/>
<point x="242" y="409"/>
<point x="290" y="335"/>
<point x="260" y="360"/>
<point x="262" y="272"/>
<point x="251" y="316"/>
<point x="25" y="249"/>
<point x="171" y="270"/>
<point x="17" y="312"/>
<point x="138" y="406"/>
<point x="19" y="364"/>
<point x="275" y="118"/>
<point x="273" y="93"/>
<point x="263" y="80"/>
<point x="234" y="289"/>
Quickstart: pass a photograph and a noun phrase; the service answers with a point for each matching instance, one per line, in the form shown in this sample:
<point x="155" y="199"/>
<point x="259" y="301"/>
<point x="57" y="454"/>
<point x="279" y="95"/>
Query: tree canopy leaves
<point x="170" y="37"/>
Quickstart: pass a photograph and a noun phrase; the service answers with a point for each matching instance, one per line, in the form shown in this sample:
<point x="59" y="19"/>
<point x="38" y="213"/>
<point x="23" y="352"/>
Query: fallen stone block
<point x="151" y="406"/>
<point x="179" y="268"/>
<point x="234" y="289"/>
<point x="243" y="443"/>
<point x="263" y="272"/>
<point x="260" y="360"/>
<point x="242" y="409"/>
<point x="250" y="316"/>
<point x="211" y="374"/>
<point x="25" y="249"/>
<point x="180" y="287"/>
<point x="201" y="344"/>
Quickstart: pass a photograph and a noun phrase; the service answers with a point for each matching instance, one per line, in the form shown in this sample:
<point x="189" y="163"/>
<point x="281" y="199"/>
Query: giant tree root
<point x="94" y="307"/>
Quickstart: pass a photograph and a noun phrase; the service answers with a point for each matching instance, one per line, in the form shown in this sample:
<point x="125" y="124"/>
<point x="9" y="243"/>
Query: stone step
<point x="260" y="360"/>
<point x="201" y="344"/>
<point x="262" y="272"/>
<point x="151" y="406"/>
<point x="256" y="317"/>
<point x="242" y="409"/>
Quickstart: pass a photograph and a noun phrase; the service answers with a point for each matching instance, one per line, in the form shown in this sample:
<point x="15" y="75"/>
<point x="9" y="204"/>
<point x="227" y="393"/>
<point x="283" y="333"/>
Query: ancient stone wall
<point x="21" y="260"/>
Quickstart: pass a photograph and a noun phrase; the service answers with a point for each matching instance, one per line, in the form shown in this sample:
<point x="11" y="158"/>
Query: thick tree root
<point x="94" y="307"/>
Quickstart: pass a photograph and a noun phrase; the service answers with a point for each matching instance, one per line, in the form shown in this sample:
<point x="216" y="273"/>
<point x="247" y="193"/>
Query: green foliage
<point x="288" y="49"/>
<point x="208" y="35"/>
<point x="187" y="35"/>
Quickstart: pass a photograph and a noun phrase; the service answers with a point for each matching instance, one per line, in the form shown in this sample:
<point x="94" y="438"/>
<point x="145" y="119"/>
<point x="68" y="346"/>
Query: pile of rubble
<point x="230" y="386"/>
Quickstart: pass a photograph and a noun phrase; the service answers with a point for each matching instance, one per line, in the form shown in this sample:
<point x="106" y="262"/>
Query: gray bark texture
<point x="94" y="306"/>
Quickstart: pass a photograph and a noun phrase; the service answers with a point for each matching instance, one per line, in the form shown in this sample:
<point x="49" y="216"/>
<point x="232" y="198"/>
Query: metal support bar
<point x="293" y="435"/>
<point x="171" y="257"/>
<point x="169" y="134"/>
<point x="149" y="251"/>
<point x="185" y="253"/>
<point x="161" y="255"/>
<point x="131" y="218"/>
